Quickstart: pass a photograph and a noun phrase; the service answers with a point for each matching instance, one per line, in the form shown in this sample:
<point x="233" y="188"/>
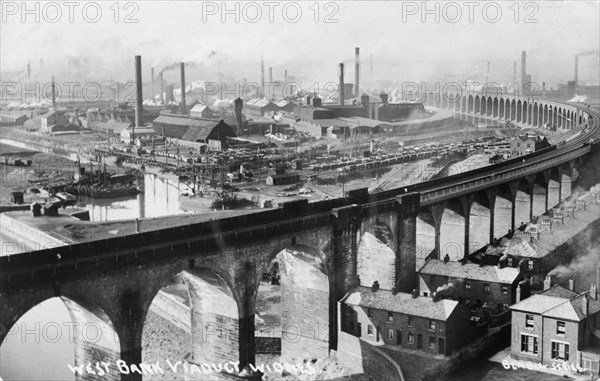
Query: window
<point x="432" y="324"/>
<point x="518" y="145"/>
<point x="370" y="330"/>
<point x="504" y="306"/>
<point x="510" y="262"/>
<point x="560" y="351"/>
<point x="530" y="265"/>
<point x="425" y="293"/>
<point x="467" y="301"/>
<point x="431" y="341"/>
<point x="560" y="327"/>
<point x="505" y="290"/>
<point x="486" y="288"/>
<point x="529" y="344"/>
<point x="410" y="321"/>
<point x="369" y="312"/>
<point x="390" y="333"/>
<point x="411" y="338"/>
<point x="528" y="145"/>
<point x="390" y="316"/>
<point x="468" y="285"/>
<point x="528" y="321"/>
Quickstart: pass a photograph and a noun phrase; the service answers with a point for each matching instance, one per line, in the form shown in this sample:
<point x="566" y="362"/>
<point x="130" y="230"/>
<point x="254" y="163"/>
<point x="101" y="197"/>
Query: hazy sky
<point x="403" y="44"/>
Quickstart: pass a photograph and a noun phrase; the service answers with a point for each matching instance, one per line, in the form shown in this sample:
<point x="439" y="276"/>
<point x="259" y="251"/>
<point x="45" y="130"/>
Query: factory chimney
<point x="28" y="69"/>
<point x="341" y="85"/>
<point x="139" y="96"/>
<point x="161" y="86"/>
<point x="262" y="75"/>
<point x="152" y="79"/>
<point x="285" y="76"/>
<point x="270" y="74"/>
<point x="487" y="74"/>
<point x="371" y="67"/>
<point x="543" y="89"/>
<point x="53" y="95"/>
<point x="523" y="70"/>
<point x="356" y="71"/>
<point x="576" y="69"/>
<point x="238" y="105"/>
<point x="183" y="105"/>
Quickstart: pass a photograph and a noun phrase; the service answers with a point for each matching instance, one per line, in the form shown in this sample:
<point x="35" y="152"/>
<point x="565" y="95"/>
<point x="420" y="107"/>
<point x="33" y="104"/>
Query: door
<point x="358" y="329"/>
<point x="441" y="346"/>
<point x="378" y="333"/>
<point x="398" y="337"/>
<point x="419" y="341"/>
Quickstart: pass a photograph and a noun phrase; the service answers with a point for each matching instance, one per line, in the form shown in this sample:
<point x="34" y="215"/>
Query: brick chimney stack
<point x="547" y="282"/>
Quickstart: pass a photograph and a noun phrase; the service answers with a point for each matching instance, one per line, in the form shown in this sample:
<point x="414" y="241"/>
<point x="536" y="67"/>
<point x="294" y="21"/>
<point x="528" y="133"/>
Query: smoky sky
<point x="442" y="42"/>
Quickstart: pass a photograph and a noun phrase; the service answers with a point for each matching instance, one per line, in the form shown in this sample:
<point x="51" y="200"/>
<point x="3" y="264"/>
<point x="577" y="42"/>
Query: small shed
<point x="36" y="209"/>
<point x="17" y="198"/>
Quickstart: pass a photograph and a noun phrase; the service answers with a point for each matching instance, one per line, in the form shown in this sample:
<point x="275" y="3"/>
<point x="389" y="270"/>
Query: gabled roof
<point x="559" y="303"/>
<point x="199" y="108"/>
<point x="473" y="271"/>
<point x="402" y="303"/>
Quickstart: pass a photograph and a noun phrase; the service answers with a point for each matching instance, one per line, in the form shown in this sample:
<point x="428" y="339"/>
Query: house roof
<point x="471" y="271"/>
<point x="560" y="303"/>
<point x="402" y="303"/>
<point x="201" y="131"/>
<point x="332" y="122"/>
<point x="199" y="108"/>
<point x="141" y="130"/>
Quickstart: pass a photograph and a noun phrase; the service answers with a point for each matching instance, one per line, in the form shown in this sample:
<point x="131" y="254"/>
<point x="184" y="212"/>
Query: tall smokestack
<point x="523" y="70"/>
<point x="183" y="105"/>
<point x="161" y="86"/>
<point x="341" y="89"/>
<point x="270" y="74"/>
<point x="487" y="74"/>
<point x="28" y="69"/>
<point x="356" y="70"/>
<point x="152" y="79"/>
<point x="285" y="76"/>
<point x="53" y="95"/>
<point x="139" y="96"/>
<point x="371" y="66"/>
<point x="262" y="75"/>
<point x="576" y="69"/>
<point x="238" y="104"/>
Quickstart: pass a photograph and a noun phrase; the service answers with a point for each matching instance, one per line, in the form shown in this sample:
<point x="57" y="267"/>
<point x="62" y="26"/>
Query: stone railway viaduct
<point x="222" y="261"/>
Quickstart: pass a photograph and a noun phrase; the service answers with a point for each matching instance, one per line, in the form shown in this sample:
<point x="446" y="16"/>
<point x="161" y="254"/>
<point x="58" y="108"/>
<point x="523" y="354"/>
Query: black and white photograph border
<point x="299" y="190"/>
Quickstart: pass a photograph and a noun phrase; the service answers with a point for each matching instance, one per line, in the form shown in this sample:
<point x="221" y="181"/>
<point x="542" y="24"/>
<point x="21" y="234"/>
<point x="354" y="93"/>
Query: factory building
<point x="13" y="119"/>
<point x="259" y="107"/>
<point x="140" y="133"/>
<point x="525" y="144"/>
<point x="209" y="131"/>
<point x="201" y="111"/>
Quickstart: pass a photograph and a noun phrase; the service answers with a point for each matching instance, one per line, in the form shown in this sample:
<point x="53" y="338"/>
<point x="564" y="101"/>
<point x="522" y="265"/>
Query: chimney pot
<point x="547" y="282"/>
<point x="571" y="284"/>
<point x="594" y="291"/>
<point x="586" y="305"/>
<point x="415" y="293"/>
<point x="518" y="294"/>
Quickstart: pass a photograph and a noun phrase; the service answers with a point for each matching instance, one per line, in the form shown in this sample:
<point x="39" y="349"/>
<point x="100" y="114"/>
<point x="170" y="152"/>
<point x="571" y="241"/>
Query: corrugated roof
<point x="471" y="271"/>
<point x="401" y="303"/>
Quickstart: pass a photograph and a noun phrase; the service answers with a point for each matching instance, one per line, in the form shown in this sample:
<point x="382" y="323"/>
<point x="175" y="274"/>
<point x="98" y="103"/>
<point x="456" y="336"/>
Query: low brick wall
<point x="479" y="349"/>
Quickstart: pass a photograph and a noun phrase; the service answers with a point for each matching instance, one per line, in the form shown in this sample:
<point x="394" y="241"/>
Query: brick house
<point x="525" y="144"/>
<point x="434" y="326"/>
<point x="558" y="326"/>
<point x="493" y="287"/>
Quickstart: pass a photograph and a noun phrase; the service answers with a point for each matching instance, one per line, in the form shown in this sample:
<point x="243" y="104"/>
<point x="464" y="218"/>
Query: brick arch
<point x="489" y="106"/>
<point x="513" y="110"/>
<point x="470" y="104"/>
<point x="496" y="108"/>
<point x="105" y="345"/>
<point x="502" y="108"/>
<point x="519" y="111"/>
<point x="376" y="254"/>
<point x="477" y="104"/>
